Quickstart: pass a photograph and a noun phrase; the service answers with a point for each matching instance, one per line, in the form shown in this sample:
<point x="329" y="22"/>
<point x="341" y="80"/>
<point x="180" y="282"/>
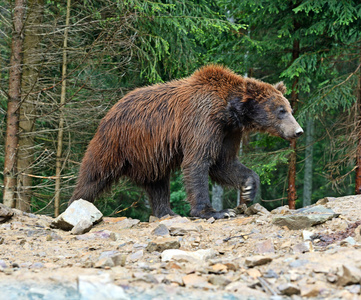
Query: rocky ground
<point x="253" y="256"/>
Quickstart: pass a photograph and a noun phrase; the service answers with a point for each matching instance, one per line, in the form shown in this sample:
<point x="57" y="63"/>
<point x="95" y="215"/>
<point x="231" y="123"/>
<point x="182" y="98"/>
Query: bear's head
<point x="263" y="107"/>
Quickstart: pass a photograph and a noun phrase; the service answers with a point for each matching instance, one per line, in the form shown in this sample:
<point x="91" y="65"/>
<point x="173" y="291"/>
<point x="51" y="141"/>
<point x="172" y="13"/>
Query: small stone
<point x="82" y="227"/>
<point x="311" y="290"/>
<point x="53" y="237"/>
<point x="270" y="274"/>
<point x="127" y="223"/>
<point x="136" y="255"/>
<point x="219" y="280"/>
<point x="163" y="244"/>
<point x="282" y="210"/>
<point x="303" y="247"/>
<point x="184" y="229"/>
<point x="306" y="235"/>
<point x="153" y="219"/>
<point x="254" y="273"/>
<point x="115" y="236"/>
<point x="37" y="265"/>
<point x="3" y="264"/>
<point x="1" y="240"/>
<point x="211" y="220"/>
<point x="160" y="230"/>
<point x="201" y="255"/>
<point x="349" y="241"/>
<point x="174" y="220"/>
<point x="8" y="271"/>
<point x="257" y="260"/>
<point x="104" y="262"/>
<point x="265" y="247"/>
<point x="298" y="263"/>
<point x="289" y="289"/>
<point x="195" y="281"/>
<point x="100" y="286"/>
<point x="256" y="209"/>
<point x="219" y="268"/>
<point x="349" y="275"/>
<point x="6" y="213"/>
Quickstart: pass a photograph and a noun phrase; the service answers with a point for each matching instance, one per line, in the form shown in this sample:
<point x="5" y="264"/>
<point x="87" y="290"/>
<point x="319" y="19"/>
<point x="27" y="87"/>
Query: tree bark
<point x="217" y="197"/>
<point x="307" y="182"/>
<point x="292" y="193"/>
<point x="28" y="109"/>
<point x="61" y="117"/>
<point x="358" y="148"/>
<point x="14" y="101"/>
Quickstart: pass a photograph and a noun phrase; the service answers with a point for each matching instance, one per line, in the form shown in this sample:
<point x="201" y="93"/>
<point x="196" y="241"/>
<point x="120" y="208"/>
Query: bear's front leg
<point x="238" y="176"/>
<point x="196" y="184"/>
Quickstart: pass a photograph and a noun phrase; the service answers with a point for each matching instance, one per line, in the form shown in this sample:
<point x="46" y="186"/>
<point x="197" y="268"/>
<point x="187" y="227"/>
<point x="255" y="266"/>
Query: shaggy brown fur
<point x="194" y="123"/>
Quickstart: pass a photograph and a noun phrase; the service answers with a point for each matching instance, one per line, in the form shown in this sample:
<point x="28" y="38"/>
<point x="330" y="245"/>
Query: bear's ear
<point x="280" y="86"/>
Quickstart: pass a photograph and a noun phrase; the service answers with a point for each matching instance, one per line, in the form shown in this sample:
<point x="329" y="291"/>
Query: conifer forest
<point x="65" y="63"/>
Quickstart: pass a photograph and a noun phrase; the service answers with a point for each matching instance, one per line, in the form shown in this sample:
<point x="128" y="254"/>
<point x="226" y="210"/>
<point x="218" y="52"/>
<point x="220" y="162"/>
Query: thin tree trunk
<point x="217" y="197"/>
<point x="358" y="149"/>
<point x="307" y="182"/>
<point x="61" y="118"/>
<point x="292" y="193"/>
<point x="27" y="109"/>
<point x="14" y="101"/>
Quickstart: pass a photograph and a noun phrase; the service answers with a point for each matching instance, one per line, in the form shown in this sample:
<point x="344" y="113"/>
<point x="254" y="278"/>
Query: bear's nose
<point x="299" y="132"/>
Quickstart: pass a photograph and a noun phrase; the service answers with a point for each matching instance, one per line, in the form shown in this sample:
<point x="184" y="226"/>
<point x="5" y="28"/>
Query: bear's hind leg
<point x="159" y="196"/>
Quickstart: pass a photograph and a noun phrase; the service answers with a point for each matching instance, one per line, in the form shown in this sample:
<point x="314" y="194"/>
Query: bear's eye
<point x="281" y="112"/>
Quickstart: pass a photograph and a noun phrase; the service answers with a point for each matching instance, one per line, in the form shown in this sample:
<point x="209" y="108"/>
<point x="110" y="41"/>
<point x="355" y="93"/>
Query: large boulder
<point x="78" y="211"/>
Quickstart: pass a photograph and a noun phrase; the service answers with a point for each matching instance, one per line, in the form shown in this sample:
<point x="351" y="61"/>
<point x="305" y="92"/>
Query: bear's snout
<point x="298" y="132"/>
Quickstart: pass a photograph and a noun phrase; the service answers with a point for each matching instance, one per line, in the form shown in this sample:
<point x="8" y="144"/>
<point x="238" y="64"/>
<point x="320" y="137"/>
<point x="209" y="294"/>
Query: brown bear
<point x="195" y="123"/>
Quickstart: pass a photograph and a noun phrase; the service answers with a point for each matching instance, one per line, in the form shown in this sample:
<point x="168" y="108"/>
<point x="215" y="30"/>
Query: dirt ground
<point x="248" y="257"/>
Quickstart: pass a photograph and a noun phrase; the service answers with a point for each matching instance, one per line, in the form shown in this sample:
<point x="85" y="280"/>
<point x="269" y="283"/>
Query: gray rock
<point x="305" y="217"/>
<point x="160" y="230"/>
<point x="136" y="255"/>
<point x="163" y="244"/>
<point x="219" y="280"/>
<point x="94" y="287"/>
<point x="349" y="275"/>
<point x="82" y="227"/>
<point x="6" y="213"/>
<point x="184" y="229"/>
<point x="303" y="247"/>
<point x="289" y="289"/>
<point x="265" y="247"/>
<point x="256" y="209"/>
<point x="3" y="264"/>
<point x="78" y="211"/>
<point x="257" y="260"/>
<point x="127" y="223"/>
<point x="201" y="255"/>
<point x="53" y="237"/>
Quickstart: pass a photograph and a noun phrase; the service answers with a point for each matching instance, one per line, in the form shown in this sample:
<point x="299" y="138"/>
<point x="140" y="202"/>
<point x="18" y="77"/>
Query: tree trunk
<point x="14" y="101"/>
<point x="307" y="182"/>
<point x="217" y="197"/>
<point x="292" y="193"/>
<point x="61" y="117"/>
<point x="27" y="109"/>
<point x="358" y="149"/>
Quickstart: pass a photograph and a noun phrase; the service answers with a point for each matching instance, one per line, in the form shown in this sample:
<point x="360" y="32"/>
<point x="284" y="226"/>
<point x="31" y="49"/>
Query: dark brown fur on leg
<point x="159" y="197"/>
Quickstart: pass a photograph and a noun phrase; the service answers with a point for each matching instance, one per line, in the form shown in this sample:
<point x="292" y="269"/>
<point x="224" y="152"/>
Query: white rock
<point x="199" y="255"/>
<point x="78" y="211"/>
<point x="94" y="287"/>
<point x="306" y="235"/>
